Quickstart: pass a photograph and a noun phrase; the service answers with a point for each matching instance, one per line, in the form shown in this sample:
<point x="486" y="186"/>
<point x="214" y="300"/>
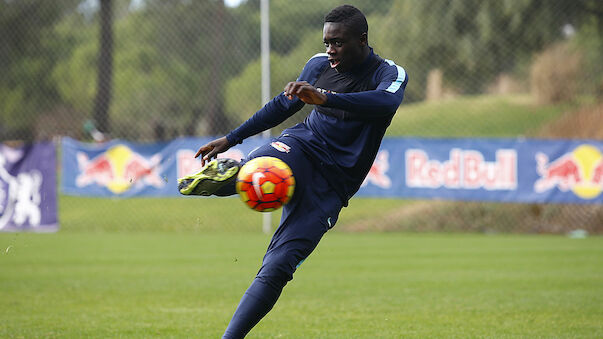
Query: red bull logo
<point x="580" y="171"/>
<point x="281" y="146"/>
<point x="377" y="174"/>
<point x="465" y="169"/>
<point x="118" y="169"/>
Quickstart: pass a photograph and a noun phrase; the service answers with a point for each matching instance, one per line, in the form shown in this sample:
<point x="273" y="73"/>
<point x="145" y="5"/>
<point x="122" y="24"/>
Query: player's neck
<point x="365" y="53"/>
<point x="363" y="59"/>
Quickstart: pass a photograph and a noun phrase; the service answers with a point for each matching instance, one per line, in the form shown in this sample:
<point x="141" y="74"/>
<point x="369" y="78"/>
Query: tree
<point x="197" y="43"/>
<point x="472" y="41"/>
<point x="105" y="67"/>
<point x="29" y="49"/>
<point x="243" y="94"/>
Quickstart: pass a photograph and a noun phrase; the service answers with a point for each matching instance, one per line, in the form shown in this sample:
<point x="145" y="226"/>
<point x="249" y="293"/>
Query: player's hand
<point x="212" y="149"/>
<point x="305" y="92"/>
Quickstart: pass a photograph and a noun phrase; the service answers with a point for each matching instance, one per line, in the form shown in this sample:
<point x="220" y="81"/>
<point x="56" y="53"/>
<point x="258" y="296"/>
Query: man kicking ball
<point x="356" y="94"/>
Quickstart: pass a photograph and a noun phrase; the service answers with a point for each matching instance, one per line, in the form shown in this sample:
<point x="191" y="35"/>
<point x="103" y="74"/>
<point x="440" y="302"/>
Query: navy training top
<point x="342" y="136"/>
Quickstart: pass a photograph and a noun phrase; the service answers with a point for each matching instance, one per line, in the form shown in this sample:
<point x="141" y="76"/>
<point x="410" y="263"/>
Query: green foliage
<point x="243" y="92"/>
<point x="588" y="41"/>
<point x="75" y="74"/>
<point x="27" y="57"/>
<point x="186" y="64"/>
<point x="149" y="84"/>
<point x="472" y="41"/>
<point x="290" y="23"/>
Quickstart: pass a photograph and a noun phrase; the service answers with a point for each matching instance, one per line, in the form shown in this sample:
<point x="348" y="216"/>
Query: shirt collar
<point x="364" y="63"/>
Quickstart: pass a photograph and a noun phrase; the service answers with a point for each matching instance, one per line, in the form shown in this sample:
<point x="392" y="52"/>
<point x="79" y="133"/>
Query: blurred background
<point x="153" y="70"/>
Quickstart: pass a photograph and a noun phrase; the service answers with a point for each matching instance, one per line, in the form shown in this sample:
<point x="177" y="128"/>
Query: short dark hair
<point x="349" y="16"/>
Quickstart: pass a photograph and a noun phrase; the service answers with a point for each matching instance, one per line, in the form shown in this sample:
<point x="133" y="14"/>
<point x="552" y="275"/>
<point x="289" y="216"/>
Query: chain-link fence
<point x="147" y="70"/>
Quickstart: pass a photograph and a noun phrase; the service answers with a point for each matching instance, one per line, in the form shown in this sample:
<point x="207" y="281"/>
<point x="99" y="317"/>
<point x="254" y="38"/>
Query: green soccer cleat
<point x="210" y="178"/>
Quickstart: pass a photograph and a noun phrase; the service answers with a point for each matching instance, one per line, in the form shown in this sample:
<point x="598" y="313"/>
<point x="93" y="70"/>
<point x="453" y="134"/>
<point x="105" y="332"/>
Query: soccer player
<point x="356" y="94"/>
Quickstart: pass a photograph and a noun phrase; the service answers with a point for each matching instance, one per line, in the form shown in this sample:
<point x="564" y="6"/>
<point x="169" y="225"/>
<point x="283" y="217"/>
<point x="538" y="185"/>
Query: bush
<point x="554" y="74"/>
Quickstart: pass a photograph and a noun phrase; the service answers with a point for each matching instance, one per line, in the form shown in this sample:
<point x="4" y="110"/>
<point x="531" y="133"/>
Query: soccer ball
<point x="265" y="184"/>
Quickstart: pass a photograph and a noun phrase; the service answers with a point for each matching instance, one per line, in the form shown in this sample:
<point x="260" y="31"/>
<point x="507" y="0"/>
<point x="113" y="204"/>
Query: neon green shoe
<point x="211" y="178"/>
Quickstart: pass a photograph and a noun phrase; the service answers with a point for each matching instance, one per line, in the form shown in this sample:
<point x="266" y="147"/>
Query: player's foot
<point x="211" y="178"/>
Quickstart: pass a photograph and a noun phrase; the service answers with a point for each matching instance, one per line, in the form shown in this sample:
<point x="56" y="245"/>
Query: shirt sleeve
<point x="272" y="114"/>
<point x="380" y="102"/>
<point x="280" y="107"/>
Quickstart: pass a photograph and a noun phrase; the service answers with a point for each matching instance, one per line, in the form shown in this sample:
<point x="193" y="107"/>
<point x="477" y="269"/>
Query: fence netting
<point x="148" y="70"/>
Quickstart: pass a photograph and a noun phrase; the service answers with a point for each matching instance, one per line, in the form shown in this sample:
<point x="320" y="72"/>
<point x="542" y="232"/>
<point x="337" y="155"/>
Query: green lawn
<point x="473" y="116"/>
<point x="187" y="214"/>
<point x="364" y="285"/>
<point x="176" y="267"/>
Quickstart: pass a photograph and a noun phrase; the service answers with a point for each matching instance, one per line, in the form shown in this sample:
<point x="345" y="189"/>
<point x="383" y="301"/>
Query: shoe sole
<point x="206" y="182"/>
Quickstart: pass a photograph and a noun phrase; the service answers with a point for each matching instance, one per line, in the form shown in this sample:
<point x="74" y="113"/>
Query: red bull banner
<point x="28" y="199"/>
<point x="504" y="170"/>
<point x="124" y="169"/>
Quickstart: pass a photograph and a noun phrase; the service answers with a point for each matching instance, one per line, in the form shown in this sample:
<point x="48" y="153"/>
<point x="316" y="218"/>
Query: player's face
<point x="345" y="49"/>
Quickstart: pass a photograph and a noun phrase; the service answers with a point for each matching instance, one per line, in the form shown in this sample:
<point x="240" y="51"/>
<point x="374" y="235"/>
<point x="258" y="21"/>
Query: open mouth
<point x="334" y="63"/>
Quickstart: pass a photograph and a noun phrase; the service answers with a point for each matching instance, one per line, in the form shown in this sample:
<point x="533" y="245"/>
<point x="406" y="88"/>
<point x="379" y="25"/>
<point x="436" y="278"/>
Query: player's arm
<point x="381" y="102"/>
<point x="281" y="107"/>
<point x="272" y="114"/>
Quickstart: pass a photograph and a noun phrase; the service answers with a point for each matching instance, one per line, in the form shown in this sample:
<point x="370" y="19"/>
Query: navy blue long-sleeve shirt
<point x="343" y="135"/>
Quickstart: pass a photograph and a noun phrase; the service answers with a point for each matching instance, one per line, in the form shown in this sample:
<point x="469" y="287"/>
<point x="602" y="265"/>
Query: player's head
<point x="345" y="35"/>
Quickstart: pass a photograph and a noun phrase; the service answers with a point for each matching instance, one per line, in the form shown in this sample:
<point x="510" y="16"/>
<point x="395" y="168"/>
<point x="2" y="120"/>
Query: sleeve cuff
<point x="232" y="139"/>
<point x="332" y="100"/>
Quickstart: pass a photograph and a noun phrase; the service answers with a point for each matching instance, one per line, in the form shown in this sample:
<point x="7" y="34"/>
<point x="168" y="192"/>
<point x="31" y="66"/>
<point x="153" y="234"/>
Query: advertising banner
<point x="504" y="170"/>
<point x="28" y="199"/>
<point x="124" y="169"/>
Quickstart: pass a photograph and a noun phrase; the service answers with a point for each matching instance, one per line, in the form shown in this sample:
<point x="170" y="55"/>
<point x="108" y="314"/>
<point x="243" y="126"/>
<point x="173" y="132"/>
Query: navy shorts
<point x="312" y="211"/>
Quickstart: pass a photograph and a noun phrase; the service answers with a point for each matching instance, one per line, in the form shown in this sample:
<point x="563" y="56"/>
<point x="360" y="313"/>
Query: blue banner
<point x="28" y="199"/>
<point x="504" y="170"/>
<point x="124" y="169"/>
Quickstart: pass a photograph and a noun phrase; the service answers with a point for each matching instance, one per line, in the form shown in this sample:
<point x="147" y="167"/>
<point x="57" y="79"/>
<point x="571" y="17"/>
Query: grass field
<point x="474" y="116"/>
<point x="187" y="214"/>
<point x="177" y="267"/>
<point x="363" y="285"/>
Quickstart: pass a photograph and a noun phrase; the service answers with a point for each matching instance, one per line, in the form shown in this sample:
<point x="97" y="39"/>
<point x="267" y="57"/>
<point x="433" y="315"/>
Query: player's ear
<point x="364" y="39"/>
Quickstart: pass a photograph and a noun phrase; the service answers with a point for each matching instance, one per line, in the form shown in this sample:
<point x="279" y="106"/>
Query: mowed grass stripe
<point x="367" y="285"/>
